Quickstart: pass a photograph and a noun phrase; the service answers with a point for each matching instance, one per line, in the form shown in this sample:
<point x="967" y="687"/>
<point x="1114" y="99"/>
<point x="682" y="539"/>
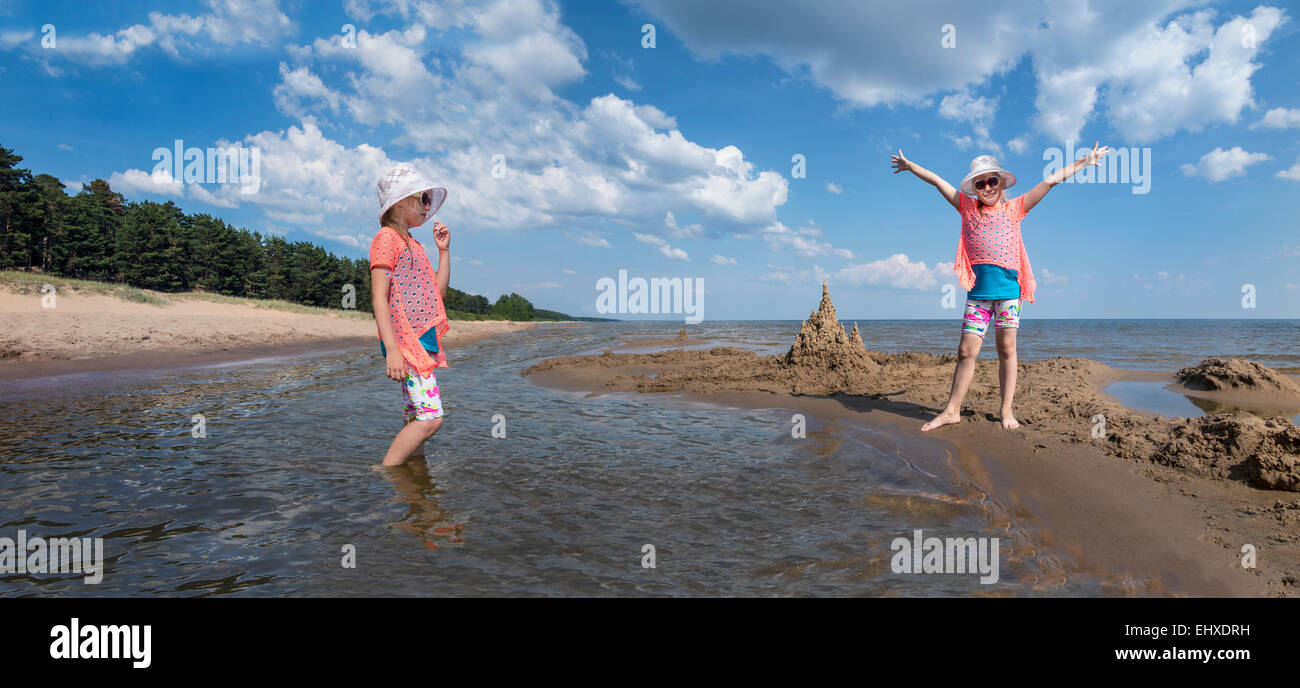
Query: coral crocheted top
<point x="991" y="235"/>
<point x="413" y="300"/>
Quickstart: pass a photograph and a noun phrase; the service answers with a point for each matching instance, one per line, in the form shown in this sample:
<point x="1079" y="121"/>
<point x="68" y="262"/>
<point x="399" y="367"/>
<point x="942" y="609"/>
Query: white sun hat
<point x="983" y="165"/>
<point x="403" y="181"/>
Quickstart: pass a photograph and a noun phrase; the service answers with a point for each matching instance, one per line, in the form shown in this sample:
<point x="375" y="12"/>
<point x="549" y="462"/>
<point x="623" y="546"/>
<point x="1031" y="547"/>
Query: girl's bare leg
<point x="419" y="450"/>
<point x="410" y="439"/>
<point x="967" y="351"/>
<point x="1007" y="374"/>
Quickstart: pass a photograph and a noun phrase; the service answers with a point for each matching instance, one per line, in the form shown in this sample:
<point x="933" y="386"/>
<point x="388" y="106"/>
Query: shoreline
<point x="91" y="332"/>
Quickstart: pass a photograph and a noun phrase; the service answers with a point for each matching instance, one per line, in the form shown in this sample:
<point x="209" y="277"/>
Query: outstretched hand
<point x="901" y="163"/>
<point x="1094" y="156"/>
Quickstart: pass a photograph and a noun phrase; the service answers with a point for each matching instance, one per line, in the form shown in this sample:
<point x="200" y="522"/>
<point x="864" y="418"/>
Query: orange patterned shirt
<point x="991" y="236"/>
<point x="413" y="300"/>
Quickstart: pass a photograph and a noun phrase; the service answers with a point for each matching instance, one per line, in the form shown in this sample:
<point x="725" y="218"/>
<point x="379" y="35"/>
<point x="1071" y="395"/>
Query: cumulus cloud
<point x="722" y="260"/>
<point x="1219" y="164"/>
<point x="1153" y="67"/>
<point x="161" y="183"/>
<point x="1291" y="173"/>
<point x="485" y="121"/>
<point x="898" y="271"/>
<point x="1279" y="118"/>
<point x="834" y="188"/>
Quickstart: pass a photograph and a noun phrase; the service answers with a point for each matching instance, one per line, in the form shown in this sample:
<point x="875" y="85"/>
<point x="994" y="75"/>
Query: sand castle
<point x="822" y="342"/>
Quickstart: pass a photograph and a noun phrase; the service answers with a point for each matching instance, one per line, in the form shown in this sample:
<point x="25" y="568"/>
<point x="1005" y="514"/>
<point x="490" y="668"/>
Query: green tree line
<point x="98" y="235"/>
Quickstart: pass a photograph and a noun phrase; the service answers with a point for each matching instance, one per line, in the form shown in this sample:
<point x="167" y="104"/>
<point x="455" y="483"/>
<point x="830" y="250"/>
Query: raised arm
<point x="902" y="164"/>
<point x="1092" y="157"/>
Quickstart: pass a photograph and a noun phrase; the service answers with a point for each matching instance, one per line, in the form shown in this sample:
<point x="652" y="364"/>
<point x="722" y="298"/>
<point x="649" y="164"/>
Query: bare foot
<point x="941" y="420"/>
<point x="1009" y="421"/>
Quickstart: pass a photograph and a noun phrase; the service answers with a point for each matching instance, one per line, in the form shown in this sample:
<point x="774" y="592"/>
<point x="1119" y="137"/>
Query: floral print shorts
<point x="979" y="312"/>
<point x="422" y="399"/>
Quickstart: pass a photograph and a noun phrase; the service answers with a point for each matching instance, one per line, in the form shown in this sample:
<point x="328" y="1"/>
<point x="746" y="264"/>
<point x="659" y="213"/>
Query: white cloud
<point x="342" y="236"/>
<point x="1154" y="67"/>
<point x="10" y="39"/>
<point x="297" y="86"/>
<point x="978" y="112"/>
<point x="138" y="181"/>
<point x="664" y="249"/>
<point x="591" y="239"/>
<point x="802" y="241"/>
<point x="627" y="82"/>
<point x="1019" y="145"/>
<point x="226" y="23"/>
<point x="1219" y="164"/>
<point x="834" y="188"/>
<point x="691" y="232"/>
<point x="1291" y="173"/>
<point x="722" y="260"/>
<point x="898" y="271"/>
<point x="1279" y="118"/>
<point x="1048" y="277"/>
<point x="566" y="164"/>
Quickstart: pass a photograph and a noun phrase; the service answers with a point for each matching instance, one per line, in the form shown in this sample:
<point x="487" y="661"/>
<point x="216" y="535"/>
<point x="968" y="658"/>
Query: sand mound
<point x="1235" y="375"/>
<point x="1242" y="446"/>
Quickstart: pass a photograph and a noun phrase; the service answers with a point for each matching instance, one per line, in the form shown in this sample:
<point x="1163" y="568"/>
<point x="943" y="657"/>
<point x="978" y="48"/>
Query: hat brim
<point x="968" y="184"/>
<point x="439" y="196"/>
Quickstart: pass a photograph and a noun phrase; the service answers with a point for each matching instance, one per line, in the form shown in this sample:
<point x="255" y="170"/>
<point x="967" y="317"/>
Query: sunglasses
<point x="992" y="183"/>
<point x="426" y="198"/>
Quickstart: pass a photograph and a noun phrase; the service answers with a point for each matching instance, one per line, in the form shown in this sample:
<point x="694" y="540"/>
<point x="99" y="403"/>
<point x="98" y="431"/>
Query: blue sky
<point x="676" y="160"/>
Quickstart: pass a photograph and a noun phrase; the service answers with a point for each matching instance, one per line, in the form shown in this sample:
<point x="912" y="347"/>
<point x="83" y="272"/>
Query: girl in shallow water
<point x="407" y="296"/>
<point x="992" y="266"/>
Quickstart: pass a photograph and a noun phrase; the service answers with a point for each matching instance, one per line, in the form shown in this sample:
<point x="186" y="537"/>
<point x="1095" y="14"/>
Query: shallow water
<point x="285" y="478"/>
<point x="1158" y="398"/>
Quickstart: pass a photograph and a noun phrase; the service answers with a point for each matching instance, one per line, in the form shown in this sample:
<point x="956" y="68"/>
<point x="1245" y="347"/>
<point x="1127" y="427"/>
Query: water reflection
<point x="423" y="518"/>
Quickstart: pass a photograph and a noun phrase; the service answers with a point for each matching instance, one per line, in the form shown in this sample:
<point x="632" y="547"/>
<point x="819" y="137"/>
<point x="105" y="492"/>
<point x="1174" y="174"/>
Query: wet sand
<point x="1171" y="500"/>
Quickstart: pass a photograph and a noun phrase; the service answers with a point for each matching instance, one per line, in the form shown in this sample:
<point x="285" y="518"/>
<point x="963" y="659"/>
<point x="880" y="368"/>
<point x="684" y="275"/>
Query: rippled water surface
<point x="562" y="505"/>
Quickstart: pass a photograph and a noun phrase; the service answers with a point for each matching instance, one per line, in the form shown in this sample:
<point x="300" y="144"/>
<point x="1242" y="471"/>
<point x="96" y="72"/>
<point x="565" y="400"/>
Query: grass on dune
<point x="34" y="282"/>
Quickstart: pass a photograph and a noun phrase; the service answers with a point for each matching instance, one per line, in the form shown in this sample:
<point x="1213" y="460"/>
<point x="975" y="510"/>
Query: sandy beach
<point x="1172" y="500"/>
<point x="87" y="330"/>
